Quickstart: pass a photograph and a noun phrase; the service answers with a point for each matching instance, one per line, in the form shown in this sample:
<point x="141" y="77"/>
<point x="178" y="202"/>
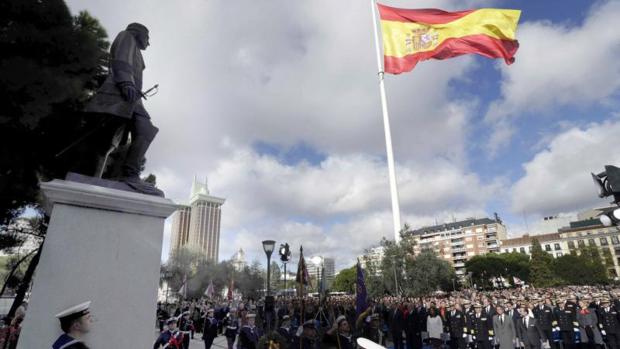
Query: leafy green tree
<point x="507" y="265"/>
<point x="346" y="280"/>
<point x="541" y="274"/>
<point x="51" y="63"/>
<point x="428" y="273"/>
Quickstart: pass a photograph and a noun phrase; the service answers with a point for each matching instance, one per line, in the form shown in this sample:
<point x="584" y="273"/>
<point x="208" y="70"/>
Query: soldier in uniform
<point x="457" y="326"/>
<point x="74" y="322"/>
<point x="171" y="338"/>
<point x="231" y="329"/>
<point x="609" y="324"/>
<point x="544" y="315"/>
<point x="566" y="324"/>
<point x="307" y="336"/>
<point x="285" y="329"/>
<point x="481" y="332"/>
<point x="209" y="331"/>
<point x="249" y="334"/>
<point x="186" y="327"/>
<point x="340" y="334"/>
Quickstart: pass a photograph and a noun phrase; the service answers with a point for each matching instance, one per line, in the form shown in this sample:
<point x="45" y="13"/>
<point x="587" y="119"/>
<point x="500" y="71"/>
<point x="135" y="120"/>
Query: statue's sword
<point x="147" y="93"/>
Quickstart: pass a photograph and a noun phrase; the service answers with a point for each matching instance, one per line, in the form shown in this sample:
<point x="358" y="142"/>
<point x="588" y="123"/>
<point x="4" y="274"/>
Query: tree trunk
<point x="25" y="284"/>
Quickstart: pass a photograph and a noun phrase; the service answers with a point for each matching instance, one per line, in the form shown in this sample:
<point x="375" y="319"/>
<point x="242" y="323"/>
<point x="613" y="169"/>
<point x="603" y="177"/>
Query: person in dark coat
<point x="307" y="337"/>
<point x="186" y="327"/>
<point x="340" y="334"/>
<point x="209" y="331"/>
<point x="120" y="97"/>
<point x="543" y="312"/>
<point x="609" y="324"/>
<point x="481" y="332"/>
<point x="249" y="334"/>
<point x="396" y="323"/>
<point x="529" y="332"/>
<point x="231" y="329"/>
<point x="566" y="324"/>
<point x="285" y="330"/>
<point x="75" y="322"/>
<point x="457" y="326"/>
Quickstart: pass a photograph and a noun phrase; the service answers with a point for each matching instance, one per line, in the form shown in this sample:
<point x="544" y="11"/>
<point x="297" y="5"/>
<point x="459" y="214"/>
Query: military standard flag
<point x="360" y="290"/>
<point x="302" y="278"/>
<point x="410" y="36"/>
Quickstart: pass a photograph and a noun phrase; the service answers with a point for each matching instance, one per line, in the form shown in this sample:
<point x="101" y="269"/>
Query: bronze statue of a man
<point x="121" y="96"/>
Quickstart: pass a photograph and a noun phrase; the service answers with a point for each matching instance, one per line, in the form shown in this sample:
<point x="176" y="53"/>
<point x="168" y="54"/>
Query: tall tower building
<point x="197" y="225"/>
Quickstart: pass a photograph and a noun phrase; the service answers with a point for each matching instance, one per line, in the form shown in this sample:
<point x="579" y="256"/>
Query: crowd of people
<point x="560" y="318"/>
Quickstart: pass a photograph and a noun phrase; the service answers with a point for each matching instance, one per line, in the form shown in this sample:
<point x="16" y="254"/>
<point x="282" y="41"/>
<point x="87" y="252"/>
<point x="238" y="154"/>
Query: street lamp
<point x="268" y="247"/>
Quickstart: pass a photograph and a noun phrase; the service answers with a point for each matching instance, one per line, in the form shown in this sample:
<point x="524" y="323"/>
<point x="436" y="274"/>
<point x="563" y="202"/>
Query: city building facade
<point x="459" y="241"/>
<point x="197" y="224"/>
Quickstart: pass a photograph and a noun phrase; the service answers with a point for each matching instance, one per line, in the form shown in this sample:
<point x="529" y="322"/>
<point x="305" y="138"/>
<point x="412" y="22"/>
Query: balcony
<point x="459" y="265"/>
<point x="459" y="249"/>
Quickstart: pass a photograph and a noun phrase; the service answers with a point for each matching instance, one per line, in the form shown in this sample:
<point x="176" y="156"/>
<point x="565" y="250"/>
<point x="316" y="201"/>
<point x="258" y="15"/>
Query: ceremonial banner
<point x="360" y="290"/>
<point x="210" y="290"/>
<point x="230" y="290"/>
<point x="410" y="36"/>
<point x="302" y="273"/>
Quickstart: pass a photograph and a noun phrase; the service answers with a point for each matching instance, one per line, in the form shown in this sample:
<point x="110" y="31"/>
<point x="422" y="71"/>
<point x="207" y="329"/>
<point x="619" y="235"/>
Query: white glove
<point x="490" y="338"/>
<point x="576" y="329"/>
<point x="464" y="335"/>
<point x="603" y="332"/>
<point x="473" y="337"/>
<point x="557" y="329"/>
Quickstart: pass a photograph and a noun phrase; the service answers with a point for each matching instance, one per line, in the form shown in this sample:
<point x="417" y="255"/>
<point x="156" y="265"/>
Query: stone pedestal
<point x="102" y="245"/>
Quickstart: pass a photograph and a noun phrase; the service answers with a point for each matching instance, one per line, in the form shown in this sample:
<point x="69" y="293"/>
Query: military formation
<point x="566" y="318"/>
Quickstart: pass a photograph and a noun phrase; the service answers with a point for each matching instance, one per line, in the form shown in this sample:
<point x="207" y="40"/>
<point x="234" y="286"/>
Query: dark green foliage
<point x="346" y="280"/>
<point x="506" y="265"/>
<point x="50" y="63"/>
<point x="541" y="273"/>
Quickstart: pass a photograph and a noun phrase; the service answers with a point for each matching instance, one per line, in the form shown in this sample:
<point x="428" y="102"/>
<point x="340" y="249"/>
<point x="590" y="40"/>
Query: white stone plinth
<point x="102" y="245"/>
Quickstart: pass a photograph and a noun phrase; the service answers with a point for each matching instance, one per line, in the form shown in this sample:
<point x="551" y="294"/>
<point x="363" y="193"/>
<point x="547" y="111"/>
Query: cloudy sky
<point x="277" y="102"/>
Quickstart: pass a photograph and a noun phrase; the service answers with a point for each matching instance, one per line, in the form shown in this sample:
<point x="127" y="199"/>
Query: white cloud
<point x="559" y="65"/>
<point x="558" y="178"/>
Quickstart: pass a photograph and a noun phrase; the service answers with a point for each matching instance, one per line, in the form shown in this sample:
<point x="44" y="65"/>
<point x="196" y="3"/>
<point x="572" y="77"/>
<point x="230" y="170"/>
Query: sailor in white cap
<point x="340" y="333"/>
<point x="171" y="338"/>
<point x="285" y="330"/>
<point x="308" y="337"/>
<point x="209" y="331"/>
<point x="249" y="335"/>
<point x="74" y="322"/>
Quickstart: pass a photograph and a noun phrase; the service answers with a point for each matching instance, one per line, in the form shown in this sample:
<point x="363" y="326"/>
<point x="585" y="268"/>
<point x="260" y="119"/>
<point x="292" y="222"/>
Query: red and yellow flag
<point x="410" y="36"/>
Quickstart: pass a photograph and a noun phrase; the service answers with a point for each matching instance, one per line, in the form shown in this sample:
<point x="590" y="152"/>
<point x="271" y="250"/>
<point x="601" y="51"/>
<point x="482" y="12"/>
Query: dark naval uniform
<point x="608" y="322"/>
<point x="169" y="340"/>
<point x="567" y="322"/>
<point x="287" y="334"/>
<point x="481" y="330"/>
<point x="544" y="317"/>
<point x="67" y="342"/>
<point x="209" y="331"/>
<point x="231" y="330"/>
<point x="457" y="326"/>
<point x="248" y="337"/>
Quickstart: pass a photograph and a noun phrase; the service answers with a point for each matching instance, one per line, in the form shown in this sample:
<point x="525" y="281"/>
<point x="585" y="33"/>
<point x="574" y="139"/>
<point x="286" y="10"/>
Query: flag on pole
<point x="302" y="273"/>
<point x="183" y="289"/>
<point x="410" y="36"/>
<point x="360" y="290"/>
<point x="230" y="290"/>
<point x="209" y="291"/>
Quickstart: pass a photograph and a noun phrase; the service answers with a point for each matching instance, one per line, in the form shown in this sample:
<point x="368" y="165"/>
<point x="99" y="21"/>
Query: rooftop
<point x="452" y="226"/>
<point x="527" y="239"/>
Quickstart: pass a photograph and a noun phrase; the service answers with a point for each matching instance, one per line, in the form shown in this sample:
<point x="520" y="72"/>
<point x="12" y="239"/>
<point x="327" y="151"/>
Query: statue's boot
<point x="131" y="168"/>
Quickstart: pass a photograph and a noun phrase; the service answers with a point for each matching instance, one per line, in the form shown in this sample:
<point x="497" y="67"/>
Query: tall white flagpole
<point x="388" y="134"/>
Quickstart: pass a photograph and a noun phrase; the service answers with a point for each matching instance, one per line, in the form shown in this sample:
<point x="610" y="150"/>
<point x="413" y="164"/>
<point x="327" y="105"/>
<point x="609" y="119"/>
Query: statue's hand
<point x="128" y="91"/>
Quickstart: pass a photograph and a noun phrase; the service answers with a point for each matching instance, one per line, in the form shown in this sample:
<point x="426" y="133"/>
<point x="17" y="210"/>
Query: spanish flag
<point x="410" y="36"/>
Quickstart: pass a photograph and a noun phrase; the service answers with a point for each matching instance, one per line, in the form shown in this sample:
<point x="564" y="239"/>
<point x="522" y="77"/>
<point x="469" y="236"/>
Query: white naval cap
<point x="75" y="311"/>
<point x="368" y="344"/>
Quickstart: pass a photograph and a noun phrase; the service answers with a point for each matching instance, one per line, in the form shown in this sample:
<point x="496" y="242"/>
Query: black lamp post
<point x="268" y="246"/>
